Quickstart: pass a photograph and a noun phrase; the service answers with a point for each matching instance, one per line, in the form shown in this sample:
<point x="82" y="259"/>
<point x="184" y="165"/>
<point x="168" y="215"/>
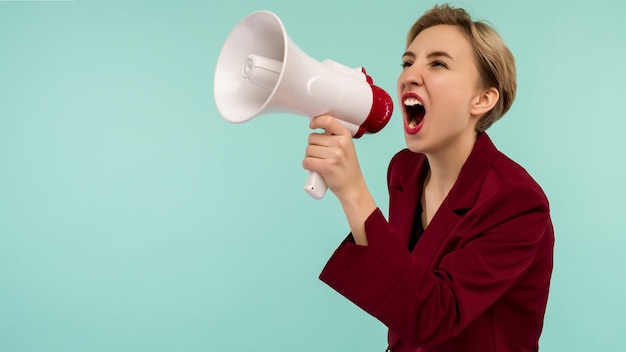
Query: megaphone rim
<point x="285" y="41"/>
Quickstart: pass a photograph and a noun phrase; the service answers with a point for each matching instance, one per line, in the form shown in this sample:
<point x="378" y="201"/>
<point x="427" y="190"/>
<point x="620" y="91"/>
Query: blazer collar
<point x="465" y="191"/>
<point x="406" y="182"/>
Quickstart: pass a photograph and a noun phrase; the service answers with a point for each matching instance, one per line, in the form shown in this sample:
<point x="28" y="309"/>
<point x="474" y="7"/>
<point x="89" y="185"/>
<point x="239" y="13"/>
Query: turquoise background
<point x="134" y="218"/>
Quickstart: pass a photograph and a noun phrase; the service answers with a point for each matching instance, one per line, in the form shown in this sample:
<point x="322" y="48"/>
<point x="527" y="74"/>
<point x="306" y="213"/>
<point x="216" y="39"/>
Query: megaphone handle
<point x="315" y="185"/>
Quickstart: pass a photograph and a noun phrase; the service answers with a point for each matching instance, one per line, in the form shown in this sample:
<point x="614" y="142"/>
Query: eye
<point x="438" y="63"/>
<point x="406" y="64"/>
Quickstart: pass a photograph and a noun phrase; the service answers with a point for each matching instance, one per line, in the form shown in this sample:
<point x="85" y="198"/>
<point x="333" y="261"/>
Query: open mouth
<point x="414" y="112"/>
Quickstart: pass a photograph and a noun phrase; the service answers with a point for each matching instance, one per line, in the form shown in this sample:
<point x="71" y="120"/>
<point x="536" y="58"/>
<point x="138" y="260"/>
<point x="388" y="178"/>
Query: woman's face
<point x="437" y="88"/>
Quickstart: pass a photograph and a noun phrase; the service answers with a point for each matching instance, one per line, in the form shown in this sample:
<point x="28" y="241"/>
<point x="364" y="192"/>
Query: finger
<point x="330" y="124"/>
<point x="321" y="152"/>
<point x="315" y="158"/>
<point x="322" y="139"/>
<point x="320" y="121"/>
<point x="313" y="164"/>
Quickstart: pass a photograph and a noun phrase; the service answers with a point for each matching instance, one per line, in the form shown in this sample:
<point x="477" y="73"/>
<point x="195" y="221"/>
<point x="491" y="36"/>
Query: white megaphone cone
<point x="261" y="71"/>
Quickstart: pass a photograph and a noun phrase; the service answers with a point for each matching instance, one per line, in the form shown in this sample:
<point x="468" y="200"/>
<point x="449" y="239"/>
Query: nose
<point x="411" y="76"/>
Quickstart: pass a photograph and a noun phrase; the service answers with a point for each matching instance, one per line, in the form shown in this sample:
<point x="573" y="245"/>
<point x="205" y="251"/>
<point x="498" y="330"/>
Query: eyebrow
<point x="430" y="55"/>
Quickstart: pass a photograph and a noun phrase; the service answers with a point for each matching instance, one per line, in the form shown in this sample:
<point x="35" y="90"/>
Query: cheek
<point x="399" y="85"/>
<point x="452" y="94"/>
<point x="450" y="106"/>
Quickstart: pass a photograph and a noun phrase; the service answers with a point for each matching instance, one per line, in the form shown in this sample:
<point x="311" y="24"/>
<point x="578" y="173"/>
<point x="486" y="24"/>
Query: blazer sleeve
<point x="496" y="243"/>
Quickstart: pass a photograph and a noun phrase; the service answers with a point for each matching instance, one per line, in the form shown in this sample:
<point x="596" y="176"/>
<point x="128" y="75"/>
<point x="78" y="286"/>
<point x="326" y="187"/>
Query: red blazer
<point x="477" y="280"/>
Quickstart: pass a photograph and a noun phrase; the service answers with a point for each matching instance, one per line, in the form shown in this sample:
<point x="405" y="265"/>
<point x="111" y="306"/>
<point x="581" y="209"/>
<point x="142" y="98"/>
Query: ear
<point x="484" y="101"/>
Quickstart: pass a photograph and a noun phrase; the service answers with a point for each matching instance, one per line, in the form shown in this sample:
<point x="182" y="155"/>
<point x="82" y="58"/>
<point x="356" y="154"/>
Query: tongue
<point x="416" y="117"/>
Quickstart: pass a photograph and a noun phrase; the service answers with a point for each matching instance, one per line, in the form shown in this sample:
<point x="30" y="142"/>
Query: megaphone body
<point x="261" y="71"/>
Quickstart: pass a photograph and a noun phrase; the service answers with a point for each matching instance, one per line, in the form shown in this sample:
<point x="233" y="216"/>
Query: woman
<point x="464" y="261"/>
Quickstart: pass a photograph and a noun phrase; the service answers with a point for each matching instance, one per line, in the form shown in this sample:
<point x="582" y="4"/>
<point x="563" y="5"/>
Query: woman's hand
<point x="332" y="155"/>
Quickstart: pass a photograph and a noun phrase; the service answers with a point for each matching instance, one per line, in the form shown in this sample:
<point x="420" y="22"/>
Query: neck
<point x="446" y="164"/>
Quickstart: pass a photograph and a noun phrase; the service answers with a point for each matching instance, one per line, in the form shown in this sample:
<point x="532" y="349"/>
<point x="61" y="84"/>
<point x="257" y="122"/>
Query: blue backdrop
<point x="134" y="218"/>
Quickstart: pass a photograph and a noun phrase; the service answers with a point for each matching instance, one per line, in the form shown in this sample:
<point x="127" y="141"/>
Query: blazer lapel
<point x="465" y="191"/>
<point x="405" y="178"/>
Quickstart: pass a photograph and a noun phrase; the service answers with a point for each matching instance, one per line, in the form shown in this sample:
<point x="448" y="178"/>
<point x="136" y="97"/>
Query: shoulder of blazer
<point x="511" y="175"/>
<point x="490" y="172"/>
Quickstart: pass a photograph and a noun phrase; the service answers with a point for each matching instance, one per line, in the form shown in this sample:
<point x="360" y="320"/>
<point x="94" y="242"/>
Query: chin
<point x="413" y="144"/>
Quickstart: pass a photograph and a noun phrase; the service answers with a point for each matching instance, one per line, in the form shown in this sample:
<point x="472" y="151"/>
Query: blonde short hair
<point x="496" y="64"/>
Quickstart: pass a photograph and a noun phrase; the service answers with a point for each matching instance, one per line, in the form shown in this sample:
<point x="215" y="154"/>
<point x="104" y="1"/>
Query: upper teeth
<point x="411" y="101"/>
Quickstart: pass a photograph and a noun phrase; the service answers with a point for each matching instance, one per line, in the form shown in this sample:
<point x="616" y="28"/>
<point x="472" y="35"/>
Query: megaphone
<point x="261" y="71"/>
